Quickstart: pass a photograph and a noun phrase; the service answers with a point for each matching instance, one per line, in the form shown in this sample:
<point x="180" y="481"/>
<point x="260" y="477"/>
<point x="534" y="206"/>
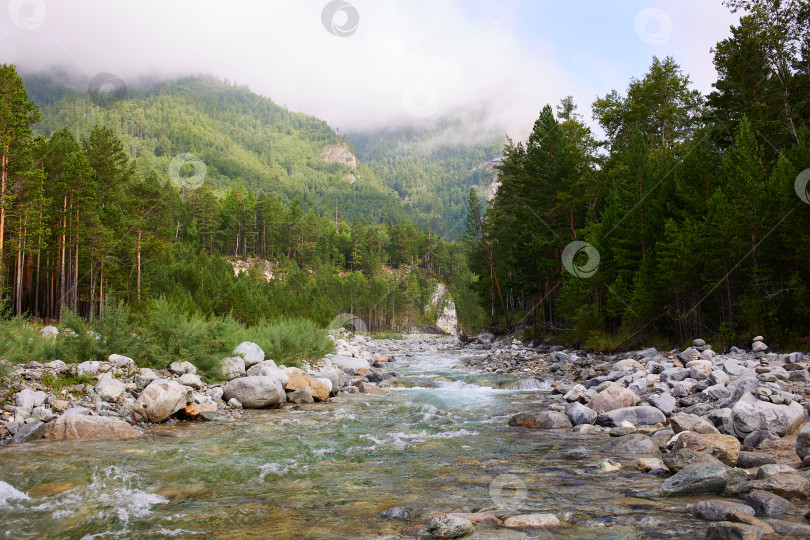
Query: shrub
<point x="290" y="340"/>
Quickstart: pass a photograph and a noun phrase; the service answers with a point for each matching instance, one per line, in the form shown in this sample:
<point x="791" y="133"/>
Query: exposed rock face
<point x="339" y="153"/>
<point x="79" y="426"/>
<point x="447" y="320"/>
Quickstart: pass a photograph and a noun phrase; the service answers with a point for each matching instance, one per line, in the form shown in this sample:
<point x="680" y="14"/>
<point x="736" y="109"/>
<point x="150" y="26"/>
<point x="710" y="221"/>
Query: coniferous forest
<point x="689" y="218"/>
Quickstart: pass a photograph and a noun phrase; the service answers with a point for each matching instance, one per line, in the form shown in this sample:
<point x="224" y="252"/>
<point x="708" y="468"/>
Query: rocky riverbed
<point x="421" y="436"/>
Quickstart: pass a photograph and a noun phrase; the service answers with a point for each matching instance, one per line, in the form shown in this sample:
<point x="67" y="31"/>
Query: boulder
<point x="750" y="414"/>
<point x="298" y="380"/>
<point x="300" y="396"/>
<point x="788" y="485"/>
<point x="771" y="469"/>
<point x="250" y="352"/>
<point x="49" y="332"/>
<point x="638" y="416"/>
<point x="748" y="460"/>
<point x="762" y="440"/>
<point x="578" y="393"/>
<point x="724" y="447"/>
<point x="613" y="397"/>
<point x="631" y="445"/>
<point x="160" y="400"/>
<point x="192" y="380"/>
<point x="726" y="530"/>
<point x="691" y="422"/>
<point x="349" y="364"/>
<point x="335" y="378"/>
<point x="580" y="414"/>
<point x="28" y="399"/>
<point x="109" y="388"/>
<point x="233" y="367"/>
<point x="664" y="402"/>
<point x="268" y="368"/>
<point x="541" y="420"/>
<point x="766" y="504"/>
<point x="79" y="426"/>
<point x="256" y="392"/>
<point x="29" y="432"/>
<point x="181" y="368"/>
<point x="695" y="479"/>
<point x="803" y="441"/>
<point x="532" y="521"/>
<point x="680" y="458"/>
<point x="57" y="366"/>
<point x="120" y="361"/>
<point x="445" y="526"/>
<point x="719" y="510"/>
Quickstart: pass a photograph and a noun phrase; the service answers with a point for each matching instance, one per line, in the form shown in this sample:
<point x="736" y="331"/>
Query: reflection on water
<point x="327" y="470"/>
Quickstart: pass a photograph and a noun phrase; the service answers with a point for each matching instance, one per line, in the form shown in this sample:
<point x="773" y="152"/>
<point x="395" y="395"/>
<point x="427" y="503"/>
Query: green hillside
<point x="243" y="138"/>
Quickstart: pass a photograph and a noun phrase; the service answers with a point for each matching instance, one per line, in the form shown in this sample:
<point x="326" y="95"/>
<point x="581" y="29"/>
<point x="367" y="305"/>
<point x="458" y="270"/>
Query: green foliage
<point x="287" y="341"/>
<point x="386" y="335"/>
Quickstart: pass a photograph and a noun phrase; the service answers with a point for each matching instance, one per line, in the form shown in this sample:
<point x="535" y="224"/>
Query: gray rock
<point x="577" y="453"/>
<point x="268" y="368"/>
<point x="772" y="469"/>
<point x="719" y="510"/>
<point x="255" y="392"/>
<point x="762" y="440"/>
<point x="800" y="376"/>
<point x="27" y="399"/>
<point x="681" y="457"/>
<point x="727" y="530"/>
<point x="57" y="365"/>
<point x="682" y="388"/>
<point x="109" y="388"/>
<point x="529" y="384"/>
<point x="541" y="420"/>
<point x="250" y="352"/>
<point x="120" y="361"/>
<point x="49" y="332"/>
<point x="90" y="367"/>
<point x="789" y="528"/>
<point x="350" y="365"/>
<point x="691" y="422"/>
<point x="234" y="403"/>
<point x="181" y="368"/>
<point x="788" y="485"/>
<point x="638" y="416"/>
<point x="673" y="374"/>
<point x="76" y="410"/>
<point x="631" y="445"/>
<point x="663" y="402"/>
<point x="696" y="479"/>
<point x="579" y="393"/>
<point x="733" y="367"/>
<point x="748" y="460"/>
<point x="192" y="380"/>
<point x="750" y="414"/>
<point x="43" y="413"/>
<point x="160" y="400"/>
<point x="397" y="512"/>
<point x="580" y="414"/>
<point x="30" y="432"/>
<point x="300" y="397"/>
<point x="717" y="392"/>
<point x="233" y="367"/>
<point x="768" y="504"/>
<point x="449" y="526"/>
<point x="719" y="377"/>
<point x="803" y="441"/>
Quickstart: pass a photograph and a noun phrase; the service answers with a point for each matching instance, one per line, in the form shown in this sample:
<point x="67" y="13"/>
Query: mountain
<point x="248" y="140"/>
<point x="433" y="169"/>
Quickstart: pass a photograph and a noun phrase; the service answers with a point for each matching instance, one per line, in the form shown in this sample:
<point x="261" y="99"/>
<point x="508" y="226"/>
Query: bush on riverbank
<point x="162" y="333"/>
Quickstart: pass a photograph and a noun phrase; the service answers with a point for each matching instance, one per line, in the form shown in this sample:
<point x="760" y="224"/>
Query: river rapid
<point x="438" y="442"/>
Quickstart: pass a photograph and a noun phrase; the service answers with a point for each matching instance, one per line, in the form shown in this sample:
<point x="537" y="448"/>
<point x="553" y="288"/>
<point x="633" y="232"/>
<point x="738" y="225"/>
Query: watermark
<point x="107" y="86"/>
<point x="349" y="322"/>
<point x="653" y="26"/>
<point x="340" y="18"/>
<point x="508" y="492"/>
<point x="420" y="99"/>
<point x="27" y="14"/>
<point x="569" y="256"/>
<point x="801" y="186"/>
<point x="187" y="182"/>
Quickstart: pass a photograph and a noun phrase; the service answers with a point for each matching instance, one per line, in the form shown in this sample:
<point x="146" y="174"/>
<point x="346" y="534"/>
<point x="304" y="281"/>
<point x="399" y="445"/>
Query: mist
<point x="373" y="66"/>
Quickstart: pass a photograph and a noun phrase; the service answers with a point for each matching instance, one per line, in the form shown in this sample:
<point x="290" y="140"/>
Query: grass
<point x="387" y="335"/>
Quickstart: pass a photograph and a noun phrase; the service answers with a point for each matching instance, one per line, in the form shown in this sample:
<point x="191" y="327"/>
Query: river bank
<point x="427" y="431"/>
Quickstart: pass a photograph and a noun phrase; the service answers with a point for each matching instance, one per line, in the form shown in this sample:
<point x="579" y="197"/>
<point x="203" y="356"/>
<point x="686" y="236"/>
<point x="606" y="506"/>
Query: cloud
<point x="406" y="63"/>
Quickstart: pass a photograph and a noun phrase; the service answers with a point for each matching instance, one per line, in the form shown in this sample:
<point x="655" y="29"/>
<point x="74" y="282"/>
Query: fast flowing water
<point x="327" y="470"/>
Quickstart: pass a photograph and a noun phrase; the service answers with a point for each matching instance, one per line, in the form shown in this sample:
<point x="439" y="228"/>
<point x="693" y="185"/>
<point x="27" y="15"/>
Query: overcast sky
<point x="376" y="64"/>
